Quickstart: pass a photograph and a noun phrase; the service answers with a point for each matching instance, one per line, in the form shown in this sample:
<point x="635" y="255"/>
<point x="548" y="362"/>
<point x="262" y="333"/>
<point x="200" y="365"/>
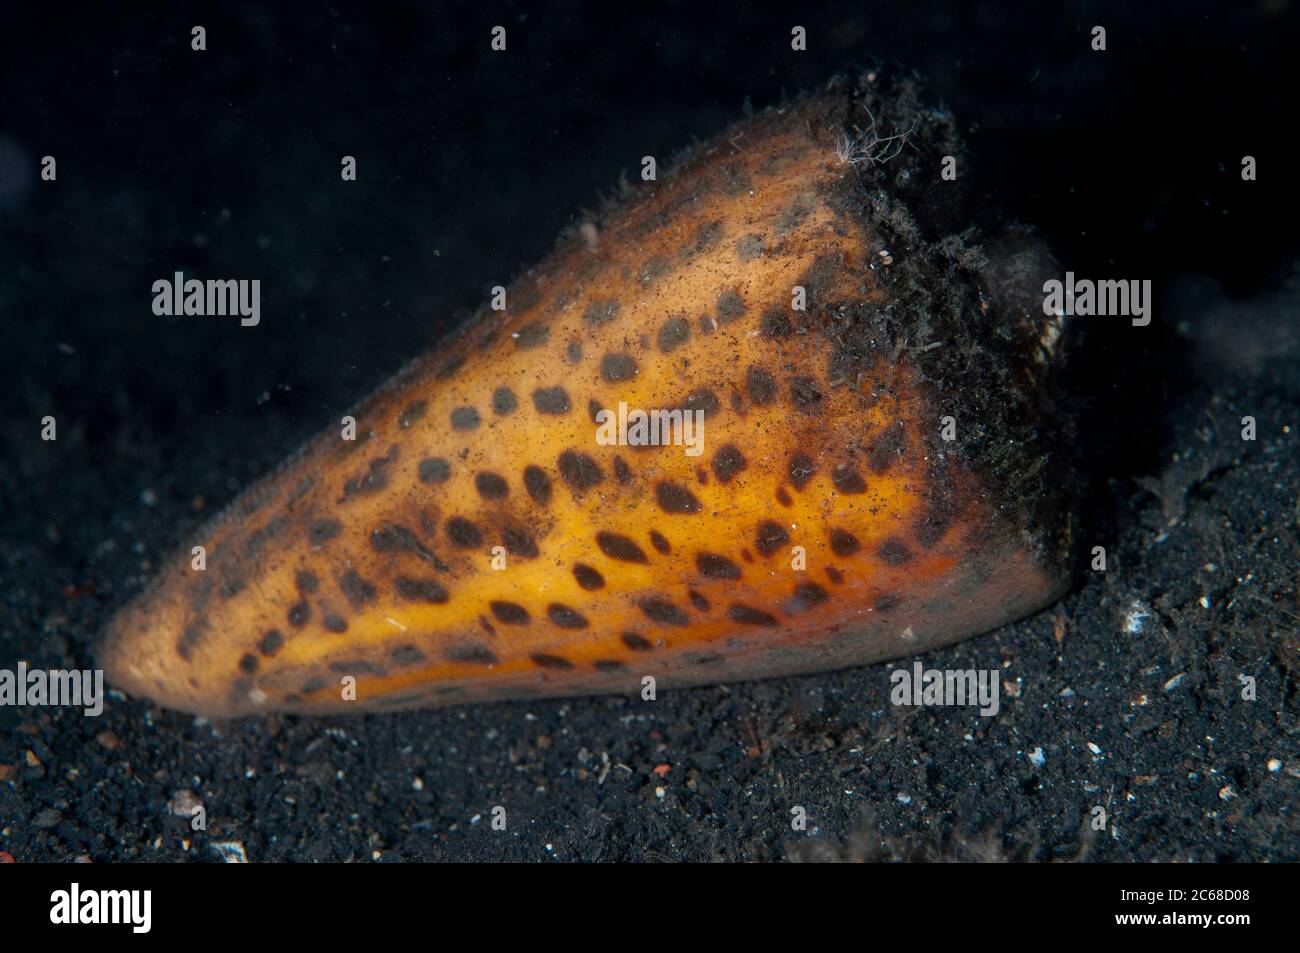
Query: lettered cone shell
<point x="879" y="472"/>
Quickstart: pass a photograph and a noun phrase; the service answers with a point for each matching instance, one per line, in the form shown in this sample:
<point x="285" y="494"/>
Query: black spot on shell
<point x="730" y="306"/>
<point x="393" y="538"/>
<point x="406" y="655"/>
<point x="248" y="663"/>
<point x="933" y="522"/>
<point x="538" y="484"/>
<point x="565" y="617"/>
<point x="805" y="396"/>
<point x="621" y="471"/>
<point x="312" y="685"/>
<point x="821" y="277"/>
<point x="491" y="486"/>
<point x="306" y="581"/>
<point x="532" y="335"/>
<point x="619" y="547"/>
<point x="675" y="498"/>
<point x="587" y="577"/>
<point x="608" y="665"/>
<point x="727" y="462"/>
<point x="573" y="352"/>
<point x="257" y="539"/>
<point x="760" y="386"/>
<point x="412" y="413"/>
<point x="775" y="323"/>
<point x="654" y="269"/>
<point x="322" y="531"/>
<point x="658" y="541"/>
<point x="887" y="450"/>
<point x="473" y="654"/>
<point x="707" y="235"/>
<point x="545" y="660"/>
<point x="334" y="622"/>
<point x="356" y="666"/>
<point x="421" y="590"/>
<point x="465" y="418"/>
<point x="509" y="613"/>
<point x="747" y="615"/>
<point x="698" y="600"/>
<point x="600" y="312"/>
<point x="359" y="591"/>
<point x="749" y="246"/>
<point x="271" y="643"/>
<point x="783" y="497"/>
<point x="893" y="552"/>
<point x="674" y="333"/>
<point x="844" y="543"/>
<point x="885" y="603"/>
<point x="551" y="400"/>
<point x="801" y="470"/>
<point x="716" y="567"/>
<point x="636" y="642"/>
<point x="771" y="537"/>
<point x="617" y="367"/>
<point x="807" y="595"/>
<point x="434" y="470"/>
<point x="519" y="542"/>
<point x="463" y="533"/>
<point x="793" y="214"/>
<point x="661" y="610"/>
<point x="374" y="479"/>
<point x="299" y="491"/>
<point x="299" y="613"/>
<point x="504" y="402"/>
<point x="593" y="410"/>
<point x="579" y="470"/>
<point x="702" y="399"/>
<point x="834" y="575"/>
<point x="847" y="479"/>
<point x="260" y="536"/>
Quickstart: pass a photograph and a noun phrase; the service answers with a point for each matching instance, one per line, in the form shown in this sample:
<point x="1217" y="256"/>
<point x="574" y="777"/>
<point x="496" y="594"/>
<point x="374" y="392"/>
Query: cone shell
<point x="481" y="538"/>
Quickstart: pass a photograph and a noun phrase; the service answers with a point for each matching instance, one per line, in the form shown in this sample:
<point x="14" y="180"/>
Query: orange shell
<point x="478" y="541"/>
